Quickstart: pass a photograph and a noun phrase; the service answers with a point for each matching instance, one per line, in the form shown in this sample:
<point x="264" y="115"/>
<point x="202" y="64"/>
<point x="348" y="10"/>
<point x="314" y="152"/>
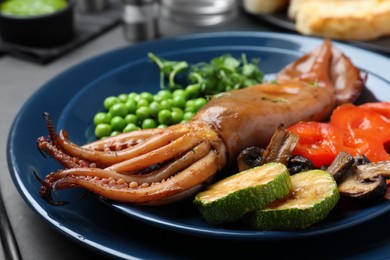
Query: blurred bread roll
<point x="342" y="19"/>
<point x="264" y="6"/>
<point x="294" y="7"/>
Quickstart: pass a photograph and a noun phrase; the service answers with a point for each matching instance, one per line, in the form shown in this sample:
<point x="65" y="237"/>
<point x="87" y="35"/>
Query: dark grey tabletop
<point x="19" y="79"/>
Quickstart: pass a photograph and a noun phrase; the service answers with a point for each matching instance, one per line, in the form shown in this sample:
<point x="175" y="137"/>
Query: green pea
<point x="133" y="95"/>
<point x="157" y="98"/>
<point x="131" y="118"/>
<point x="149" y="123"/>
<point x="142" y="113"/>
<point x="110" y="101"/>
<point x="164" y="117"/>
<point x="199" y="102"/>
<point x="148" y="96"/>
<point x="188" y="115"/>
<point x="137" y="97"/>
<point x="162" y="126"/>
<point x="131" y="105"/>
<point x="163" y="94"/>
<point x="130" y="127"/>
<point x="103" y="130"/>
<point x="177" y="115"/>
<point x="155" y="107"/>
<point x="118" y="123"/>
<point x="114" y="133"/>
<point x="192" y="91"/>
<point x="101" y="118"/>
<point x="179" y="101"/>
<point x="122" y="97"/>
<point x="178" y="92"/>
<point x="118" y="109"/>
<point x="165" y="104"/>
<point x="142" y="103"/>
<point x="190" y="106"/>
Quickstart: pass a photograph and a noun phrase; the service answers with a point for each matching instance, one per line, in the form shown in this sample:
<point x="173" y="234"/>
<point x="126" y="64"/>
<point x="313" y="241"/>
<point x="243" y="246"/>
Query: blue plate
<point x="73" y="97"/>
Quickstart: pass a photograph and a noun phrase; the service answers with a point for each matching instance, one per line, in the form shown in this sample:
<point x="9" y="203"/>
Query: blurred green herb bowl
<point x="37" y="26"/>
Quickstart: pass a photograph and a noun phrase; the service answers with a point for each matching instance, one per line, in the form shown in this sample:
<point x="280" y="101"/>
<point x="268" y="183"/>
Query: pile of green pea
<point x="134" y="111"/>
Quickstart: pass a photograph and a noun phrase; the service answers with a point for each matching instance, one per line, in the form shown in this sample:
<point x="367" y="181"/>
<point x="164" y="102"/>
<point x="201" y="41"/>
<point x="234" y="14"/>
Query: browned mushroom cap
<point x="281" y="146"/>
<point x="382" y="168"/>
<point x="279" y="150"/>
<point x="340" y="165"/>
<point x="365" y="182"/>
<point x="249" y="158"/>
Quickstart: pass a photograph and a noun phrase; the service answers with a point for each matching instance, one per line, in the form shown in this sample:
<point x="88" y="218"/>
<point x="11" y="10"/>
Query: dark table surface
<point x="19" y="79"/>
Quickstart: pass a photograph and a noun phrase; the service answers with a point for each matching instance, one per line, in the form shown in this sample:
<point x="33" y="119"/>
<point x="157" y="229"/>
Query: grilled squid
<point x="161" y="166"/>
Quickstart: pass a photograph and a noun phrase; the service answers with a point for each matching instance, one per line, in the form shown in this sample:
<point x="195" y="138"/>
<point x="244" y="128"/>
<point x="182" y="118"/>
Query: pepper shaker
<point x="140" y="19"/>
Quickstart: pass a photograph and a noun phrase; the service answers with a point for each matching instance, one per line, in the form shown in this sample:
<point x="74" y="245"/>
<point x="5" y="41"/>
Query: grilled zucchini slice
<point x="313" y="195"/>
<point x="231" y="198"/>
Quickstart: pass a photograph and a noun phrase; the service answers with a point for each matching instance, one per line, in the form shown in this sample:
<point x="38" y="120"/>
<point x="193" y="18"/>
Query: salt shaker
<point x="140" y="19"/>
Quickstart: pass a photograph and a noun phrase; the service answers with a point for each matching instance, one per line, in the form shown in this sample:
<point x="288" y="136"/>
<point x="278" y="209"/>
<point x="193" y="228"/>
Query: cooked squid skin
<point x="161" y="166"/>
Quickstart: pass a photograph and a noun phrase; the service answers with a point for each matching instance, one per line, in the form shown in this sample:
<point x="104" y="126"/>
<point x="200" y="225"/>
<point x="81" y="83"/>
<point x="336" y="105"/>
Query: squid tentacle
<point x="48" y="147"/>
<point x="173" y="167"/>
<point x="107" y="158"/>
<point x="197" y="173"/>
<point x="165" y="153"/>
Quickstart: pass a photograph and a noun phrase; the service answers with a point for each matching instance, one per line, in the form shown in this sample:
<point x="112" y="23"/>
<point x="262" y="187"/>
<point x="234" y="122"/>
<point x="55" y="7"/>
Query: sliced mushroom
<point x="250" y="158"/>
<point x="364" y="183"/>
<point x="298" y="163"/>
<point x="340" y="165"/>
<point x="382" y="168"/>
<point x="281" y="146"/>
<point x="279" y="150"/>
<point x="358" y="178"/>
